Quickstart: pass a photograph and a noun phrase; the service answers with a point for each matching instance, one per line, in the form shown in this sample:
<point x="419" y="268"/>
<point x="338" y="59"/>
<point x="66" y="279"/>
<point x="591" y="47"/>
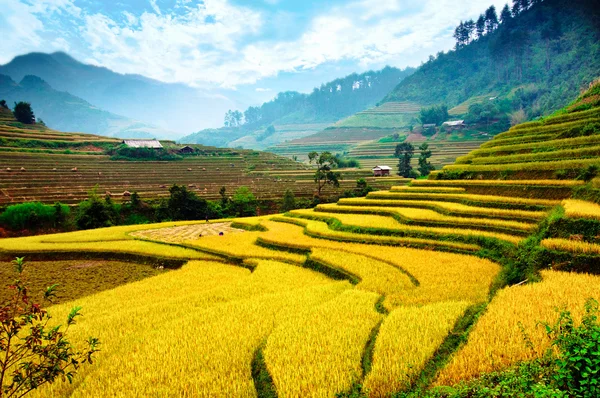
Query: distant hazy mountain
<point x="174" y="107"/>
<point x="65" y="112"/>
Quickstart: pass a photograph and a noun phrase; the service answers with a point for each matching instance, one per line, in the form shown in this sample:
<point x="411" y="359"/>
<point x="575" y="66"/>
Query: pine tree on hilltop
<point x="480" y="26"/>
<point x="491" y="20"/>
<point x="505" y="14"/>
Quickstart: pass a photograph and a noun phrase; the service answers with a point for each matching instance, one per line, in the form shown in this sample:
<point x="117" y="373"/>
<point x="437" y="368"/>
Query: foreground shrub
<point x="578" y="362"/>
<point x="34" y="215"/>
<point x="569" y="371"/>
<point x="31" y="352"/>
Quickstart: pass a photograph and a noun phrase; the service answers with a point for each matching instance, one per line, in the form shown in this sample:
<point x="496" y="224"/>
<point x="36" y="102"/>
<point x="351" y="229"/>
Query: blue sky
<point x="253" y="47"/>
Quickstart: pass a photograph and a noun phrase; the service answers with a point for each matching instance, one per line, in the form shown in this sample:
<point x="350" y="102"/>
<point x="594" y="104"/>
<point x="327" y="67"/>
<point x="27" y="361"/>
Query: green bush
<point x="347" y="162"/>
<point x="23" y="113"/>
<point x="589" y="173"/>
<point x="243" y="203"/>
<point x="289" y="201"/>
<point x="578" y="361"/>
<point x="34" y="215"/>
<point x="185" y="205"/>
<point x="94" y="213"/>
<point x="561" y="174"/>
<point x="123" y="152"/>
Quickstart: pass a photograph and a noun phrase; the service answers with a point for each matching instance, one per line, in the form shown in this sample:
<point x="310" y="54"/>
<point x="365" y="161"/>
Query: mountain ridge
<point x="172" y="106"/>
<point x="66" y="112"/>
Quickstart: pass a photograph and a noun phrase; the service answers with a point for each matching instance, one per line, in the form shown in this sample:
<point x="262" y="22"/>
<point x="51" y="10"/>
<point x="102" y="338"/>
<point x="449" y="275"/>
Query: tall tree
<point x="238" y="118"/>
<point x="252" y="115"/>
<point x="516" y="8"/>
<point x="505" y="15"/>
<point x="289" y="201"/>
<point x="425" y="167"/>
<point x="458" y="35"/>
<point x="23" y="113"/>
<point x="525" y="4"/>
<point x="324" y="175"/>
<point x="469" y="27"/>
<point x="491" y="19"/>
<point x="480" y="26"/>
<point x="404" y="153"/>
<point x="228" y="119"/>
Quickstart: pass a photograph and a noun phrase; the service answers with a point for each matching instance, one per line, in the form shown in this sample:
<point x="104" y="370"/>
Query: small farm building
<point x="380" y="171"/>
<point x="186" y="149"/>
<point x="456" y="124"/>
<point x="152" y="144"/>
<point x="429" y="126"/>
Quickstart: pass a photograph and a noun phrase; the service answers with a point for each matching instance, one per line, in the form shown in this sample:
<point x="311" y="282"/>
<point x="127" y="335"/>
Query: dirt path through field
<point x="186" y="232"/>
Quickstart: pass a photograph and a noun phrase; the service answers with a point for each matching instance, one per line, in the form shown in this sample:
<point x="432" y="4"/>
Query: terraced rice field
<point x="371" y="291"/>
<point x="373" y="153"/>
<point x="514" y="311"/>
<point x="361" y="128"/>
<point x="187" y="232"/>
<point x="39" y="164"/>
<point x="69" y="178"/>
<point x="556" y="147"/>
<point x="320" y="299"/>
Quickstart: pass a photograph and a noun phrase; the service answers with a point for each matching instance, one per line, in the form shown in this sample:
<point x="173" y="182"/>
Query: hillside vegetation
<point x="394" y="294"/>
<point x="518" y="67"/>
<point x="536" y="60"/>
<point x="305" y="114"/>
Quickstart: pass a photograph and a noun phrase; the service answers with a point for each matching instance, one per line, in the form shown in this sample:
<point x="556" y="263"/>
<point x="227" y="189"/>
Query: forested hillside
<point x="328" y="103"/>
<point x="62" y="111"/>
<point x="508" y="66"/>
<point x="536" y="55"/>
<point x="325" y="105"/>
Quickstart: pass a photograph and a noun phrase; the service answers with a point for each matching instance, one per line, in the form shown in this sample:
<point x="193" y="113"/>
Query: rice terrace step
<point x="404" y="232"/>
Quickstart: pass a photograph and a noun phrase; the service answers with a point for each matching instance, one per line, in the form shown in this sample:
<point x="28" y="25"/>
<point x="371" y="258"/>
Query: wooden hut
<point x="186" y="150"/>
<point x="380" y="171"/>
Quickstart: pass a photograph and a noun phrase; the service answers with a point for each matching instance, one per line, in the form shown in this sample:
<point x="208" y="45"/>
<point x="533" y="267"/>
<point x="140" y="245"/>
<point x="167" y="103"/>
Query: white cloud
<point x="401" y="35"/>
<point x="22" y="29"/>
<point x="186" y="48"/>
<point x="155" y="7"/>
<point x="215" y="42"/>
<point x="262" y="89"/>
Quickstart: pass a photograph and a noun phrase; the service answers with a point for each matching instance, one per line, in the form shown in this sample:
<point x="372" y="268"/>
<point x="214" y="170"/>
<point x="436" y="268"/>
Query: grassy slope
<point x="491" y="65"/>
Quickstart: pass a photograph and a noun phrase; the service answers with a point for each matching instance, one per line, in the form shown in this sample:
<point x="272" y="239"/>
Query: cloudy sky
<point x="258" y="46"/>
